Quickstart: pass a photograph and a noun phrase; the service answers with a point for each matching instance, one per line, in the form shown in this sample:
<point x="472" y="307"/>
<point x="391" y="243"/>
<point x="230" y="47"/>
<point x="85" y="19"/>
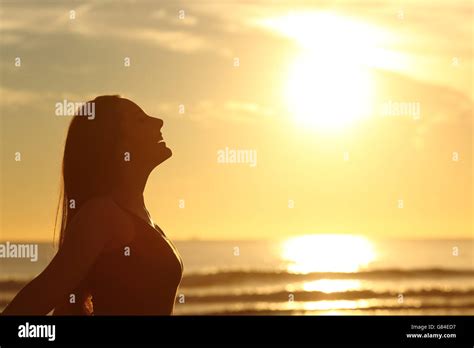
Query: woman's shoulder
<point x="106" y="217"/>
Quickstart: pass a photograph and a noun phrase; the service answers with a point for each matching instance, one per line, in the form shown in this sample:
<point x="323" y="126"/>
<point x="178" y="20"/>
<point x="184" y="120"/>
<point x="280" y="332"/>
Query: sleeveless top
<point x="139" y="278"/>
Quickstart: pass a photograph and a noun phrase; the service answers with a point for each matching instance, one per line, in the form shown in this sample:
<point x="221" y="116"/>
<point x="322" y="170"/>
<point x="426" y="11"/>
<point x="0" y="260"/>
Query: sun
<point x="330" y="85"/>
<point x="328" y="94"/>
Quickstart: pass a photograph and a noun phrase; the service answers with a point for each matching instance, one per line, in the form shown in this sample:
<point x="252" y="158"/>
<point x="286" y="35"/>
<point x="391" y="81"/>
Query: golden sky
<point x="360" y="113"/>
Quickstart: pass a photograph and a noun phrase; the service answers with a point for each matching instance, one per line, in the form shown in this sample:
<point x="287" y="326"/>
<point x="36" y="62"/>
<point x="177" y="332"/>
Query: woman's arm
<point x="88" y="234"/>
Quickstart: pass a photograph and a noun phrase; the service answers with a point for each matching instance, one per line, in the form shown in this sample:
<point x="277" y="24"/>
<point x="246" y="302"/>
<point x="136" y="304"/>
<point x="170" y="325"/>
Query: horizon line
<point x="275" y="239"/>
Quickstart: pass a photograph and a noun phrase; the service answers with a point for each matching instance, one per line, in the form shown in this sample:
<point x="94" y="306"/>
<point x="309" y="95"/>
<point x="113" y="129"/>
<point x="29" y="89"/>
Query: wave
<point x="449" y="298"/>
<point x="420" y="310"/>
<point x="305" y="296"/>
<point x="309" y="296"/>
<point x="238" y="277"/>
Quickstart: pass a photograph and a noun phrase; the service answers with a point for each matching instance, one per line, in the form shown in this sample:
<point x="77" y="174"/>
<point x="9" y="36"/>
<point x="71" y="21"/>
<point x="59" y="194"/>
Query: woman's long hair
<point x="89" y="170"/>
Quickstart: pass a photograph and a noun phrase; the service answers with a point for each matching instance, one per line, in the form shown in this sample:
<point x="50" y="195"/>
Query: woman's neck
<point x="129" y="192"/>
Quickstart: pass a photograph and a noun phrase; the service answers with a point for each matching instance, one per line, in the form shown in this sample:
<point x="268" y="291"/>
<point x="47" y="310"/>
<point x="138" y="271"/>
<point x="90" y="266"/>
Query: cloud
<point x="12" y="97"/>
<point x="249" y="109"/>
<point x="179" y="18"/>
<point x="15" y="97"/>
<point x="206" y="111"/>
<point x="177" y="41"/>
<point x="161" y="28"/>
<point x="39" y="19"/>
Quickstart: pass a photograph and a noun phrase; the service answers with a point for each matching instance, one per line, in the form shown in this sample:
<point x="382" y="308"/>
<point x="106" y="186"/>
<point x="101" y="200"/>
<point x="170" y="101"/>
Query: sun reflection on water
<point x="327" y="253"/>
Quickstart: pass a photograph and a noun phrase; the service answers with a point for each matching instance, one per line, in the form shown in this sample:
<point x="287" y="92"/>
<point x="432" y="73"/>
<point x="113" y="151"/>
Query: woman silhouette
<point x="112" y="258"/>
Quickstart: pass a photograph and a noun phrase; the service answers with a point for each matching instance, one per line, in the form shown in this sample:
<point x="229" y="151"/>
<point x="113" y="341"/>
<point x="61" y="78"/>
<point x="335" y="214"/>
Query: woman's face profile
<point x="141" y="138"/>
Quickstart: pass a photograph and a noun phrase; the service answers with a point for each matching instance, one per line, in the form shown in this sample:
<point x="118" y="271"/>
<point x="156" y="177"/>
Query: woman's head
<point x="119" y="141"/>
<point x="120" y="138"/>
<point x="140" y="143"/>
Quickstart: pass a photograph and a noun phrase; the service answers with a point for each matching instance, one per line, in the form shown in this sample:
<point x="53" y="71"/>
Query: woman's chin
<point x="168" y="152"/>
<point x="164" y="154"/>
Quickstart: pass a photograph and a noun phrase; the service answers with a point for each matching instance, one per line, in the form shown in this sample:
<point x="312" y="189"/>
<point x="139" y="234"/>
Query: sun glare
<point x="326" y="94"/>
<point x="327" y="253"/>
<point x="330" y="85"/>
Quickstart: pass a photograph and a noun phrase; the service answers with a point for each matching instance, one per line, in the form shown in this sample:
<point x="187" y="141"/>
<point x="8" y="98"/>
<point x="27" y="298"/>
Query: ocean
<point x="308" y="275"/>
